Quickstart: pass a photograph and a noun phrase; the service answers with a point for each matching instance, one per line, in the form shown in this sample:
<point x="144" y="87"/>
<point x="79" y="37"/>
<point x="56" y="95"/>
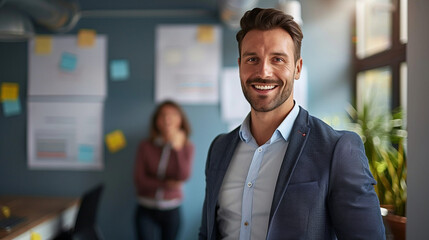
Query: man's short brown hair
<point x="267" y="19"/>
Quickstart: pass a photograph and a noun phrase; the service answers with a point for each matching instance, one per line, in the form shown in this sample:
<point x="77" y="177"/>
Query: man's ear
<point x="298" y="68"/>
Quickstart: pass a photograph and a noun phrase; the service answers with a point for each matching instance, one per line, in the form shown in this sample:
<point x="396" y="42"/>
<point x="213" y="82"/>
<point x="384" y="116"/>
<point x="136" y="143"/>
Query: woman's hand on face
<point x="169" y="124"/>
<point x="177" y="138"/>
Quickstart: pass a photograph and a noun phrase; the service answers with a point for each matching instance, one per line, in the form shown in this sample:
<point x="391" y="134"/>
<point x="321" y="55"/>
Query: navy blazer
<point x="324" y="189"/>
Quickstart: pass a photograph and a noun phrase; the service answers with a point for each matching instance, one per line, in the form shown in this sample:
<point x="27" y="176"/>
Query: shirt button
<point x="259" y="149"/>
<point x="246" y="223"/>
<point x="249" y="184"/>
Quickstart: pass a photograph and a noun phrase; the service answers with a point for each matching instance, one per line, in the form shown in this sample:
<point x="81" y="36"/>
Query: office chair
<point x="85" y="227"/>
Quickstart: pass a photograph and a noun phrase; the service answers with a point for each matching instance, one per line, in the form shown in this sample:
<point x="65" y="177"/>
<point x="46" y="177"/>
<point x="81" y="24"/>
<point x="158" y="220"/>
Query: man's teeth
<point x="264" y="87"/>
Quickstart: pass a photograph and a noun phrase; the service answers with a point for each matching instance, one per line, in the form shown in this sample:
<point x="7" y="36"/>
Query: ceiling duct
<point x="55" y="15"/>
<point x="14" y="26"/>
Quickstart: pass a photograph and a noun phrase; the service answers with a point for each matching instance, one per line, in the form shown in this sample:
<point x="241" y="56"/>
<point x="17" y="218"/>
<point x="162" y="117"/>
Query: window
<point x="381" y="37"/>
<point x="380" y="70"/>
<point x="373" y="26"/>
<point x="375" y="84"/>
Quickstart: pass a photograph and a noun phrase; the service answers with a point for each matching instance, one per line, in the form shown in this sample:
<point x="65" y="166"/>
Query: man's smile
<point x="264" y="87"/>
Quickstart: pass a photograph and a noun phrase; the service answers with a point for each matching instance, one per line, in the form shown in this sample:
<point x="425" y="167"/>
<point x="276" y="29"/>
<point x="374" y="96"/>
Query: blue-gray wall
<point x="129" y="105"/>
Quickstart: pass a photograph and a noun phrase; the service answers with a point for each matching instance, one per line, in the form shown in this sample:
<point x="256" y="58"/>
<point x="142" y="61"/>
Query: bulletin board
<point x="66" y="93"/>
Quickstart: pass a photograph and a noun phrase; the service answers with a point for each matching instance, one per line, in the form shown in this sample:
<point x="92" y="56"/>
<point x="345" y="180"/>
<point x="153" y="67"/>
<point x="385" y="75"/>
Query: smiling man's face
<point x="268" y="69"/>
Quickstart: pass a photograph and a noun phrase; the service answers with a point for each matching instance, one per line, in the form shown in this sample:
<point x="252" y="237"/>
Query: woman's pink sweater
<point x="146" y="166"/>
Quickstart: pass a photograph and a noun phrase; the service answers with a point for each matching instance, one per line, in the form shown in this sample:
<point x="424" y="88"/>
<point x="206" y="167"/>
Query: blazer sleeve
<point x="353" y="204"/>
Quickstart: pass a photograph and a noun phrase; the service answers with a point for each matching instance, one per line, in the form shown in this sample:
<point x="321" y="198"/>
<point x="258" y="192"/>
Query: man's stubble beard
<point x="277" y="101"/>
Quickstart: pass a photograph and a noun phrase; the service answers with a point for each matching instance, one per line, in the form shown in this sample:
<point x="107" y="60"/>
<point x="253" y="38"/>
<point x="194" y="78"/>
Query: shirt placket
<point x="247" y="200"/>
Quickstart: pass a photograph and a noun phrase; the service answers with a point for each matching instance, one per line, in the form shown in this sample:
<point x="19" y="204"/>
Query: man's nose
<point x="265" y="70"/>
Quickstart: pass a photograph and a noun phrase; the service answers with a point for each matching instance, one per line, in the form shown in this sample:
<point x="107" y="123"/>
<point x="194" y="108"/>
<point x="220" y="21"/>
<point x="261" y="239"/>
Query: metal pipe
<point x="56" y="15"/>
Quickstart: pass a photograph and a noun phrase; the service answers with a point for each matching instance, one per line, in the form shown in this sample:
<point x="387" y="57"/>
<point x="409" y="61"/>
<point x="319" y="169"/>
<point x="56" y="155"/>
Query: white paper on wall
<point x="46" y="77"/>
<point x="65" y="135"/>
<point x="234" y="106"/>
<point x="188" y="60"/>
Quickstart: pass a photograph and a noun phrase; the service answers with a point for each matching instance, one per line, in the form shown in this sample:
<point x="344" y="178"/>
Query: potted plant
<point x="384" y="140"/>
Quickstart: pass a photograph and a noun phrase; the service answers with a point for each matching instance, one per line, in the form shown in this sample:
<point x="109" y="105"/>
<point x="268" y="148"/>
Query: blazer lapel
<point x="229" y="149"/>
<point x="221" y="158"/>
<point x="225" y="158"/>
<point x="298" y="138"/>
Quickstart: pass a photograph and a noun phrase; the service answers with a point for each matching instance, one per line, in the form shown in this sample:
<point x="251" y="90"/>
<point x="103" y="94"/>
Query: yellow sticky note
<point x="9" y="91"/>
<point x="35" y="236"/>
<point x="115" y="141"/>
<point x="86" y="38"/>
<point x="205" y="34"/>
<point x="43" y="44"/>
<point x="5" y="211"/>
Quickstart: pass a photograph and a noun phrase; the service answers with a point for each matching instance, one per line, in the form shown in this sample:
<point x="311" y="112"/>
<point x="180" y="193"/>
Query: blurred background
<point x="350" y="48"/>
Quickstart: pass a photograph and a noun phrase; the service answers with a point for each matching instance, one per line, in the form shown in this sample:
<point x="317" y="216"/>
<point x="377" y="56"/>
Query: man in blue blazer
<point x="284" y="174"/>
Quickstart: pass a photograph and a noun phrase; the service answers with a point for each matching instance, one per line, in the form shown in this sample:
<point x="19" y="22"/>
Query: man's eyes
<point x="275" y="59"/>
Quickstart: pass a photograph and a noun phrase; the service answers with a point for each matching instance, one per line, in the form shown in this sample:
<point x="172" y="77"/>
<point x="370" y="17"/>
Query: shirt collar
<point x="283" y="129"/>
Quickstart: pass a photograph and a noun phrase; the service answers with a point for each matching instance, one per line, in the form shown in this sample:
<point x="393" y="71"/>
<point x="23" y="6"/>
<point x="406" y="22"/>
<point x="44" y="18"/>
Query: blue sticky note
<point x="119" y="70"/>
<point x="11" y="107"/>
<point x="86" y="153"/>
<point x="68" y="62"/>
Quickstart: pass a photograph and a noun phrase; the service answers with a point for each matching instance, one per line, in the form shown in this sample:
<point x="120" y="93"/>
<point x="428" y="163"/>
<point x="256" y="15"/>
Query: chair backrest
<point x="87" y="214"/>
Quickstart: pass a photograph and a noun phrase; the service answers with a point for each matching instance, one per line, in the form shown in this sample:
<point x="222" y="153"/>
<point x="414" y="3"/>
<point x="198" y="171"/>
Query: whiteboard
<point x="45" y="77"/>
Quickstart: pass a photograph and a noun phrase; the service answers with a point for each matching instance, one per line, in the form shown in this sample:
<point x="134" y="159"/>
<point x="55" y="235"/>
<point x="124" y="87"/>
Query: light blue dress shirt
<point x="248" y="187"/>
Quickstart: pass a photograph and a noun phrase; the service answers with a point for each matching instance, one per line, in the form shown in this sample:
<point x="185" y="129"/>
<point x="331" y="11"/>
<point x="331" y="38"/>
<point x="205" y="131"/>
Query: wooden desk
<point x="44" y="215"/>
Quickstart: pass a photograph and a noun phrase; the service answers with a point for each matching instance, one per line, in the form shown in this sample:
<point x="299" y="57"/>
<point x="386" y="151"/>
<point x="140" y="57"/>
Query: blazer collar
<point x="298" y="138"/>
<point x="283" y="130"/>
